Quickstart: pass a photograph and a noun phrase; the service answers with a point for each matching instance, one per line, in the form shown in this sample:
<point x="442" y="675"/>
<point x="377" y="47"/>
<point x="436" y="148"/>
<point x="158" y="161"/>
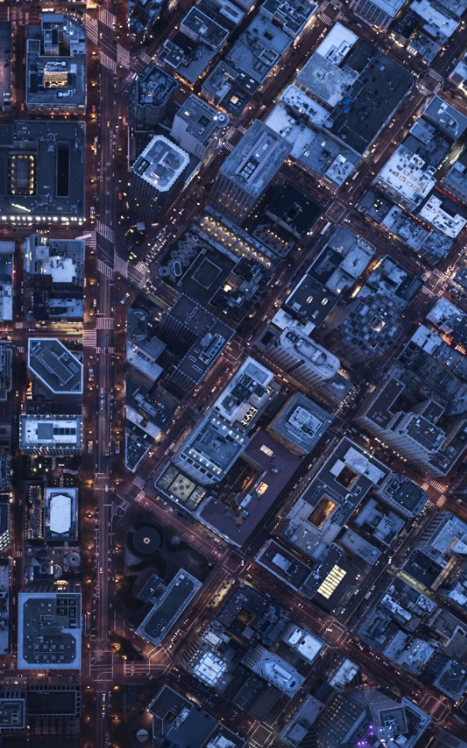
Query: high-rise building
<point x="49" y="629"/>
<point x="302" y="358"/>
<point x="150" y="95"/>
<point x="196" y="126"/>
<point x="56" y="65"/>
<point x="248" y="171"/>
<point x="51" y="434"/>
<point x="42" y="171"/>
<point x="157" y="178"/>
<point x="419" y="433"/>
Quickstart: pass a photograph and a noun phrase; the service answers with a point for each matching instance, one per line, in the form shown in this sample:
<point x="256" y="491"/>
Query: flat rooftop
<point x="169" y="607"/>
<point x="56" y="63"/>
<point x="42" y="170"/>
<point x="301" y="422"/>
<point x="61" y="507"/>
<point x="161" y="163"/>
<point x="152" y="88"/>
<point x="291" y="15"/>
<point x="277" y="466"/>
<point x="50" y="432"/>
<point x="256" y="159"/>
<point x="294" y="209"/>
<point x="245" y="392"/>
<point x="55" y="366"/>
<point x="49" y="630"/>
<point x="212" y="448"/>
<point x="258" y="50"/>
<point x="6" y="50"/>
<point x="362" y="93"/>
<point x="200" y="27"/>
<point x="446" y="118"/>
<point x="200" y="119"/>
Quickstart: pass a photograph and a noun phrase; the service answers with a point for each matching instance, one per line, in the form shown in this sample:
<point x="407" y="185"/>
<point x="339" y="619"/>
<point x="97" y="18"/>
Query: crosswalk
<point x="437" y="486"/>
<point x="139" y="483"/>
<point x="92" y="29"/>
<point x="89" y="338"/>
<point x="107" y="61"/>
<point x="91" y="240"/>
<point x="441" y="501"/>
<point x="120" y="265"/>
<point x="105" y="16"/>
<point x="105" y="269"/>
<point x="145" y="58"/>
<point x="130" y="77"/>
<point x="136" y="278"/>
<point x="104" y="323"/>
<point x="105" y="231"/>
<point x="123" y="56"/>
<point x="434" y="74"/>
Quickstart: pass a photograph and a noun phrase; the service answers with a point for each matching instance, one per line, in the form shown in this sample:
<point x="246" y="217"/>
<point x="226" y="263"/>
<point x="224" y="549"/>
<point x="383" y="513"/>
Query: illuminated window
<point x="262" y="488"/>
<point x="332" y="581"/>
<point x="266" y="450"/>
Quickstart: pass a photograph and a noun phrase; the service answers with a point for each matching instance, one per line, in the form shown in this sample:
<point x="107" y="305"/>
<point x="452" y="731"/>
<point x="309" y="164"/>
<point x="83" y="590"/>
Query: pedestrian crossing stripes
<point x="136" y="278"/>
<point x="130" y="77"/>
<point x="104" y="323"/>
<point x="91" y="240"/>
<point x="428" y="292"/>
<point x="142" y="268"/>
<point x="105" y="269"/>
<point x="434" y="74"/>
<point x="242" y="129"/>
<point x="89" y="338"/>
<point x="123" y="56"/>
<point x="105" y="231"/>
<point x="107" y="62"/>
<point x="325" y="19"/>
<point x="92" y="29"/>
<point x="441" y="501"/>
<point x="120" y="265"/>
<point x="106" y="17"/>
<point x="18" y="325"/>
<point x="145" y="58"/>
<point x="341" y="16"/>
<point x="229" y="147"/>
<point x="437" y="486"/>
<point x="424" y="90"/>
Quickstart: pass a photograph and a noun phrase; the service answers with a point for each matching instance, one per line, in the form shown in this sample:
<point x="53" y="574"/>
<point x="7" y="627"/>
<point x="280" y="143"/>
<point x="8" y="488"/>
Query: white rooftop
<point x="49" y="431"/>
<point x="304" y="104"/>
<point x="141" y="421"/>
<point x="337" y="44"/>
<point x="141" y="361"/>
<point x="210" y="668"/>
<point x="444" y="25"/>
<point x="461" y="69"/>
<point x="60" y="513"/>
<point x="307" y="645"/>
<point x="355" y="459"/>
<point x="246" y="390"/>
<point x="408" y="175"/>
<point x="315" y="356"/>
<point x="161" y="163"/>
<point x="432" y="212"/>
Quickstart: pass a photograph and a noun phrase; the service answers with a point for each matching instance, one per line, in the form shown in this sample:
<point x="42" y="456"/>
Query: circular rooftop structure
<point x="146" y="540"/>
